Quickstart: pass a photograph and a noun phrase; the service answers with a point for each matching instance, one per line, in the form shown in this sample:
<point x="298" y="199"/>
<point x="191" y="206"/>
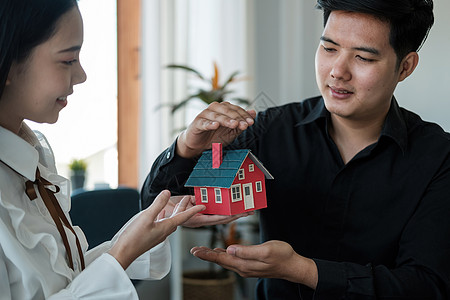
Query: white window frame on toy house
<point x="204" y="195"/>
<point x="251" y="167"/>
<point x="218" y="194"/>
<point x="258" y="185"/>
<point x="236" y="193"/>
<point x="241" y="174"/>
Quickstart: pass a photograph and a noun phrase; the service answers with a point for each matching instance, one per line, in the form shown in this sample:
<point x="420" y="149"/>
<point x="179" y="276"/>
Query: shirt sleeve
<point x="104" y="278"/>
<point x="4" y="284"/>
<point x="169" y="171"/>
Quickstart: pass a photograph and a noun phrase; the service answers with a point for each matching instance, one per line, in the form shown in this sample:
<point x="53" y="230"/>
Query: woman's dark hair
<point x="410" y="20"/>
<point x="24" y="24"/>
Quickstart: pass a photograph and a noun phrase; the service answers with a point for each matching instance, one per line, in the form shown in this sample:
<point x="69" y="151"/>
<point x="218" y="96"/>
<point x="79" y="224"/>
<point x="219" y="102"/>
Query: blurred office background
<point x="272" y="44"/>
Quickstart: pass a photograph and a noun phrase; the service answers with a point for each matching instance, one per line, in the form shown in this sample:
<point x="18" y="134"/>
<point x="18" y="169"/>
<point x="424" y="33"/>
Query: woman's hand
<point x="199" y="220"/>
<point x="151" y="227"/>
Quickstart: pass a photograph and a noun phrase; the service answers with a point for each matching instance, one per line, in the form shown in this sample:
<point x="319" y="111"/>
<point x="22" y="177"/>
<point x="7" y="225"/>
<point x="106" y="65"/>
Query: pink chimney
<point x="216" y="155"/>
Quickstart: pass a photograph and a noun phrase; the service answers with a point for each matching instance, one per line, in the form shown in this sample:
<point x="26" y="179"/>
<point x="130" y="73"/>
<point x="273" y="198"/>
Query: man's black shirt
<point x="377" y="227"/>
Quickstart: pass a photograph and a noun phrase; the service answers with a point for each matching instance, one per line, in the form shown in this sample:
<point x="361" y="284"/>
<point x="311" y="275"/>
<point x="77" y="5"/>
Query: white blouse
<point x="32" y="255"/>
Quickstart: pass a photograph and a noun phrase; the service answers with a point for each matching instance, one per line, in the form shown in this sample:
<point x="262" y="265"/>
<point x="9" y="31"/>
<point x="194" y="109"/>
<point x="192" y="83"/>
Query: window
<point x="258" y="186"/>
<point x="251" y="167"/>
<point x="236" y="193"/>
<point x="218" y="194"/>
<point x="204" y="195"/>
<point x="241" y="174"/>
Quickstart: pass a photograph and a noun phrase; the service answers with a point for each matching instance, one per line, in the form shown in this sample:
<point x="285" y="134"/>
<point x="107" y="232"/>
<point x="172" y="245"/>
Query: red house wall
<point x="212" y="207"/>
<point x="227" y="207"/>
<point x="259" y="198"/>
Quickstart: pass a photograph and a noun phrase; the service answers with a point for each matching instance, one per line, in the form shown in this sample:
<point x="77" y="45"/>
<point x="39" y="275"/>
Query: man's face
<point x="356" y="67"/>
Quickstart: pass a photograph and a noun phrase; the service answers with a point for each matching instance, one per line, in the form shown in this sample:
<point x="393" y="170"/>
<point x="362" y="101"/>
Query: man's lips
<point x="340" y="90"/>
<point x="340" y="93"/>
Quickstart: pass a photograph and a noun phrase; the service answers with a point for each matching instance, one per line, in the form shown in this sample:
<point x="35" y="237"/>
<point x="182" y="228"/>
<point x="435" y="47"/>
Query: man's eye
<point x="328" y="49"/>
<point x="364" y="59"/>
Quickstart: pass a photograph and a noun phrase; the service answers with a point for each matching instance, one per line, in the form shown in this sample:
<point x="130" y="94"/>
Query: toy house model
<point x="229" y="182"/>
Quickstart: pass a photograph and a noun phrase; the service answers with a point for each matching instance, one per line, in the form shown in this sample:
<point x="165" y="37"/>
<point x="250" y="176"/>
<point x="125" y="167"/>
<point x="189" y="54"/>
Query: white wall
<point x="286" y="37"/>
<point x="426" y="91"/>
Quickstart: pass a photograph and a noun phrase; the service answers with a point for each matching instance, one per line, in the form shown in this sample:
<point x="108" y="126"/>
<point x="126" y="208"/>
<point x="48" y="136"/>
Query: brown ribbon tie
<point x="57" y="214"/>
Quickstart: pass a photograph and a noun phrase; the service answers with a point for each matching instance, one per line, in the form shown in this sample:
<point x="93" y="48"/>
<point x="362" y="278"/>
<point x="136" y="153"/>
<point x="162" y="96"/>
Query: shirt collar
<point x="18" y="152"/>
<point x="317" y="112"/>
<point x="394" y="125"/>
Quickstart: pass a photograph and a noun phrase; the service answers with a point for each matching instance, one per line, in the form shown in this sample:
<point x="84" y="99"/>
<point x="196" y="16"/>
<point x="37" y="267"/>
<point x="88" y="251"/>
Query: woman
<point x="42" y="256"/>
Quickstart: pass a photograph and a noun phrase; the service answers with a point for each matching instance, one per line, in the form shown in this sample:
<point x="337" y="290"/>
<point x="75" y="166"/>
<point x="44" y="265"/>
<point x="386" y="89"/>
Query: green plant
<point x="215" y="93"/>
<point x="78" y="165"/>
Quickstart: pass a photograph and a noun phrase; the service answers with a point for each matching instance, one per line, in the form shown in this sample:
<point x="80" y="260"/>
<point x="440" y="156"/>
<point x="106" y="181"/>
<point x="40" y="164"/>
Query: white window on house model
<point x="218" y="194"/>
<point x="204" y="195"/>
<point x="241" y="174"/>
<point x="251" y="167"/>
<point x="236" y="194"/>
<point x="258" y="186"/>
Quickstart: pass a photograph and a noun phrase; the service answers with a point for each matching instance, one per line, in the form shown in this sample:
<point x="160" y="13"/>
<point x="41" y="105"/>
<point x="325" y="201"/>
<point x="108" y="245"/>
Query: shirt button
<point x="168" y="155"/>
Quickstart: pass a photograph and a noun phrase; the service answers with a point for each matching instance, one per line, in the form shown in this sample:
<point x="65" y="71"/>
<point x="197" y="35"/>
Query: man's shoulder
<point x="426" y="139"/>
<point x="418" y="127"/>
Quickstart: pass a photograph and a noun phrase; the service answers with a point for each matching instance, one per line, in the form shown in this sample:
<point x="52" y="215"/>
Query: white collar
<point x="18" y="152"/>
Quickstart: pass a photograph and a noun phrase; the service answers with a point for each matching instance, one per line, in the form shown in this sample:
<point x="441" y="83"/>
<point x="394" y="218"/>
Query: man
<point x="359" y="205"/>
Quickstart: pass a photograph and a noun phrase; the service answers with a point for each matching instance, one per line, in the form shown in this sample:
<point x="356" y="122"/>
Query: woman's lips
<point x="62" y="101"/>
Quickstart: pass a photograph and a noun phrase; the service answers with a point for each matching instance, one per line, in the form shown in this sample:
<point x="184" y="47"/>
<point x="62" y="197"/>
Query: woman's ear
<point x="408" y="65"/>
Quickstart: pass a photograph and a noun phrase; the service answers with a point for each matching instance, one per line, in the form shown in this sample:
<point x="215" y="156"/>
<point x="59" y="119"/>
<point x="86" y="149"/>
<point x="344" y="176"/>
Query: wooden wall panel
<point x="128" y="55"/>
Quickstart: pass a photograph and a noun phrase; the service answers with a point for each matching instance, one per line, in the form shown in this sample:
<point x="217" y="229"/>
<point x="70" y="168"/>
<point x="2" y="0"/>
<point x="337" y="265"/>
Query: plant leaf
<point x="230" y="79"/>
<point x="215" y="79"/>
<point x="175" y="107"/>
<point x="186" y="68"/>
<point x="242" y="101"/>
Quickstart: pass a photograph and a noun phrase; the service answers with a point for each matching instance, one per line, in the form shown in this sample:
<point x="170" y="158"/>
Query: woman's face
<point x="37" y="89"/>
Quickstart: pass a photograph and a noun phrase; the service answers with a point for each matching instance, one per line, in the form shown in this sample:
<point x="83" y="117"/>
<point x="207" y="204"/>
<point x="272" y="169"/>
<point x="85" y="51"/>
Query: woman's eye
<point x="69" y="62"/>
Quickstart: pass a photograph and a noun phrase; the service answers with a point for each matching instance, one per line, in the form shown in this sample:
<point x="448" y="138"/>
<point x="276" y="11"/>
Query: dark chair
<point x="102" y="212"/>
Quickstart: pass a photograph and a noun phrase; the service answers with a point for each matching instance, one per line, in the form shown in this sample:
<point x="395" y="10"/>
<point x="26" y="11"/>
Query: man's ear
<point x="408" y="65"/>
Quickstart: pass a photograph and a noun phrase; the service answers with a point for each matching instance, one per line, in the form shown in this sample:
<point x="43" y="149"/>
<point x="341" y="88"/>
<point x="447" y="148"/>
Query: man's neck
<point x="353" y="136"/>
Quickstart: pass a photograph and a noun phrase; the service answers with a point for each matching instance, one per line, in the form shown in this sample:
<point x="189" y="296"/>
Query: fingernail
<point x="231" y="250"/>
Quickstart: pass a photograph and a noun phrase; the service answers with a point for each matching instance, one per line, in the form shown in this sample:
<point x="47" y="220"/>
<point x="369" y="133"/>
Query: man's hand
<point x="218" y="123"/>
<point x="273" y="259"/>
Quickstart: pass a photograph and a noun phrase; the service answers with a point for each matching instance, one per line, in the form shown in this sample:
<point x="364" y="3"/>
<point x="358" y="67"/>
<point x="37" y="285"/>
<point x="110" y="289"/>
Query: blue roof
<point x="223" y="177"/>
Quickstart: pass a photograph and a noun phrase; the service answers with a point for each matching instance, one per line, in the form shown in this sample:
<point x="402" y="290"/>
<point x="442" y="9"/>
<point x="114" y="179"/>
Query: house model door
<point x="249" y="202"/>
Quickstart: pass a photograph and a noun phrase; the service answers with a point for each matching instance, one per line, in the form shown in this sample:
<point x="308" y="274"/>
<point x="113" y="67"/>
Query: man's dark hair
<point x="410" y="20"/>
